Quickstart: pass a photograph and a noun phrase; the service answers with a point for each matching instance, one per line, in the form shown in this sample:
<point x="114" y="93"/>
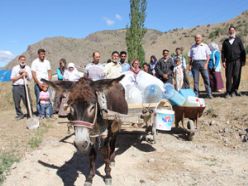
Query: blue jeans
<point x="46" y="110"/>
<point x="37" y="94"/>
<point x="198" y="67"/>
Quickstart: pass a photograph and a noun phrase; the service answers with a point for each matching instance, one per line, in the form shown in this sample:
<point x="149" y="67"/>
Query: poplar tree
<point x="136" y="31"/>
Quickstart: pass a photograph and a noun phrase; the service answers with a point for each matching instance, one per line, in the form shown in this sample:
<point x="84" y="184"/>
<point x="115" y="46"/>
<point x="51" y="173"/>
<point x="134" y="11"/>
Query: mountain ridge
<point x="79" y="50"/>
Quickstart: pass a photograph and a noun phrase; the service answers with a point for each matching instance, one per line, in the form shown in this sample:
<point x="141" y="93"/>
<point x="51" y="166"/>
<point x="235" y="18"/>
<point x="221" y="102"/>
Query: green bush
<point x="214" y="34"/>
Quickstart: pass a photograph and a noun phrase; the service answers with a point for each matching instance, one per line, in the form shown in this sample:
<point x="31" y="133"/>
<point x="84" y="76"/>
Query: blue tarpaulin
<point x="5" y="75"/>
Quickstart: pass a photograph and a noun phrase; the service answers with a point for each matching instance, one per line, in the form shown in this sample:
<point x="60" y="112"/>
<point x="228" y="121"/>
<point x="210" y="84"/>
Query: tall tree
<point x="136" y="31"/>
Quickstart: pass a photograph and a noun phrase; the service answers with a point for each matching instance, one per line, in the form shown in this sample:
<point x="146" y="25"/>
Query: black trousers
<point x="233" y="75"/>
<point x="19" y="94"/>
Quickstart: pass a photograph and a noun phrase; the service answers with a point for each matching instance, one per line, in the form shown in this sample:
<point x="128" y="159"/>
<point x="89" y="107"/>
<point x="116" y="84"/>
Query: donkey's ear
<point x="60" y="85"/>
<point x="106" y="83"/>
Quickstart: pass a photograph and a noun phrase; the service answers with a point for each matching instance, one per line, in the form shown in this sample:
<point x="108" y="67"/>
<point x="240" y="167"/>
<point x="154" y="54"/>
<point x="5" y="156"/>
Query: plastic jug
<point x="172" y="95"/>
<point x="133" y="95"/>
<point x="187" y="92"/>
<point x="152" y="94"/>
<point x="194" y="102"/>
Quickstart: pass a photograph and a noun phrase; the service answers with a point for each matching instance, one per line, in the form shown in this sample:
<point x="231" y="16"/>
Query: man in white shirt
<point x="95" y="70"/>
<point x="199" y="57"/>
<point x="18" y="74"/>
<point x="41" y="68"/>
<point x="113" y="69"/>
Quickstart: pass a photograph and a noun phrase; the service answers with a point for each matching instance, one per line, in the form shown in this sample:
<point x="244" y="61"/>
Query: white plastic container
<point x="164" y="116"/>
<point x="133" y="95"/>
<point x="194" y="102"/>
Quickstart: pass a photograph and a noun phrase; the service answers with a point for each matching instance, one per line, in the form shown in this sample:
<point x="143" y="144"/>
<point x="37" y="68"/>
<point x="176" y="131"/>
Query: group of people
<point x="22" y="74"/>
<point x="207" y="60"/>
<point x="203" y="59"/>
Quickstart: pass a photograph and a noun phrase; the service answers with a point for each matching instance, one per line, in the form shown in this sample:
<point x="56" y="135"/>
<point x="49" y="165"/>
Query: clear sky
<point x="24" y="22"/>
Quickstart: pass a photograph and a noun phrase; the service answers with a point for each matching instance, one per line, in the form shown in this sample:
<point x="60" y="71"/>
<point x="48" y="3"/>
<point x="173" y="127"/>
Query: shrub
<point x="214" y="34"/>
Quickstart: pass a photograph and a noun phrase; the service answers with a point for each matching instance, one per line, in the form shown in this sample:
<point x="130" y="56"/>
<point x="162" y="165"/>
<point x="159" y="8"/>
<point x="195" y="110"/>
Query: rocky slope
<point x="79" y="51"/>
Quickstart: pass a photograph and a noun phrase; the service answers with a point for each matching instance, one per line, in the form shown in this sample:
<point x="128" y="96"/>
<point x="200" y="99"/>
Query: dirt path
<point x="216" y="156"/>
<point x="171" y="162"/>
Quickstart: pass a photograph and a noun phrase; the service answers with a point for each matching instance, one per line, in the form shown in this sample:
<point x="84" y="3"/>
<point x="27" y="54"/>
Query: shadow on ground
<point x="68" y="172"/>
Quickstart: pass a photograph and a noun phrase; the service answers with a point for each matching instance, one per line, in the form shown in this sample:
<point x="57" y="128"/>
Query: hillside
<point x="79" y="51"/>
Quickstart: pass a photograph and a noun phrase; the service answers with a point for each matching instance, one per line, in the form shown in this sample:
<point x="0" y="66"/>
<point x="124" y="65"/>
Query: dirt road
<point x="216" y="156"/>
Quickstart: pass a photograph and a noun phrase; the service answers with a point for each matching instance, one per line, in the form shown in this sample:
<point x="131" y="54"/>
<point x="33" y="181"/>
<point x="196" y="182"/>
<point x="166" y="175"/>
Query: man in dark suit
<point x="233" y="58"/>
<point x="164" y="68"/>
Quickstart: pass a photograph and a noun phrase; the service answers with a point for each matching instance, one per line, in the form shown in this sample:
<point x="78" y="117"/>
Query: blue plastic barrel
<point x="152" y="94"/>
<point x="187" y="92"/>
<point x="172" y="95"/>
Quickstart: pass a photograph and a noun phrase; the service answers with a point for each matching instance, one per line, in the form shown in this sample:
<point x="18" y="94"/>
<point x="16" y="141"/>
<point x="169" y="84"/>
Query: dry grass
<point x="6" y="98"/>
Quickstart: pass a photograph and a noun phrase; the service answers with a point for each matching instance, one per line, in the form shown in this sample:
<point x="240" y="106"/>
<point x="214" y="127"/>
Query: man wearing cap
<point x="18" y="74"/>
<point x="233" y="58"/>
<point x="94" y="70"/>
<point x="41" y="69"/>
<point x="199" y="57"/>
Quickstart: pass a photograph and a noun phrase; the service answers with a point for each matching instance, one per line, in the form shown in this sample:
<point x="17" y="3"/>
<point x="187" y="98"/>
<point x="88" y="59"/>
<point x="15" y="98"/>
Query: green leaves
<point x="136" y="31"/>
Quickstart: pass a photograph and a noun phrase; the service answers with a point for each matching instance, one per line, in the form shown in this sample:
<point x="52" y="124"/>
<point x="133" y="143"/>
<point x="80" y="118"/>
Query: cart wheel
<point x="191" y="128"/>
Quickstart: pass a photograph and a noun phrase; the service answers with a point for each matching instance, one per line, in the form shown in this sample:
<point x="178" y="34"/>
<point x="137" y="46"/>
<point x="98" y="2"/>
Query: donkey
<point x="86" y="115"/>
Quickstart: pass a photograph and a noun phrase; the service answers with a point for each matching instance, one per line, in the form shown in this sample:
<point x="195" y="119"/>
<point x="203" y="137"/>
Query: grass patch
<point x="6" y="160"/>
<point x="37" y="137"/>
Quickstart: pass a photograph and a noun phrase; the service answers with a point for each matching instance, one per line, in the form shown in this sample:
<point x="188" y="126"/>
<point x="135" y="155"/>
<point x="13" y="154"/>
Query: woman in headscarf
<point x="146" y="68"/>
<point x="214" y="68"/>
<point x="71" y="74"/>
<point x="153" y="63"/>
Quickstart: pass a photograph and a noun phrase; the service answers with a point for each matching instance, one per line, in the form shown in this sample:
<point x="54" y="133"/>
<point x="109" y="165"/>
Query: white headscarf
<point x="213" y="46"/>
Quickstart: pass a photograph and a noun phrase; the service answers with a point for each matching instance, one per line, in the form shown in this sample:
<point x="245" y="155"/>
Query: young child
<point x="45" y="103"/>
<point x="178" y="74"/>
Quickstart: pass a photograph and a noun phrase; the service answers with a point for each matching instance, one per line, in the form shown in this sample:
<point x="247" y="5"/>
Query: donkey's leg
<point x="106" y="156"/>
<point x="112" y="150"/>
<point x="92" y="158"/>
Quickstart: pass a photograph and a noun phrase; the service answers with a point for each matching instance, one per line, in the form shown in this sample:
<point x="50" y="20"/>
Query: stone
<point x="142" y="181"/>
<point x="151" y="160"/>
<point x="213" y="122"/>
